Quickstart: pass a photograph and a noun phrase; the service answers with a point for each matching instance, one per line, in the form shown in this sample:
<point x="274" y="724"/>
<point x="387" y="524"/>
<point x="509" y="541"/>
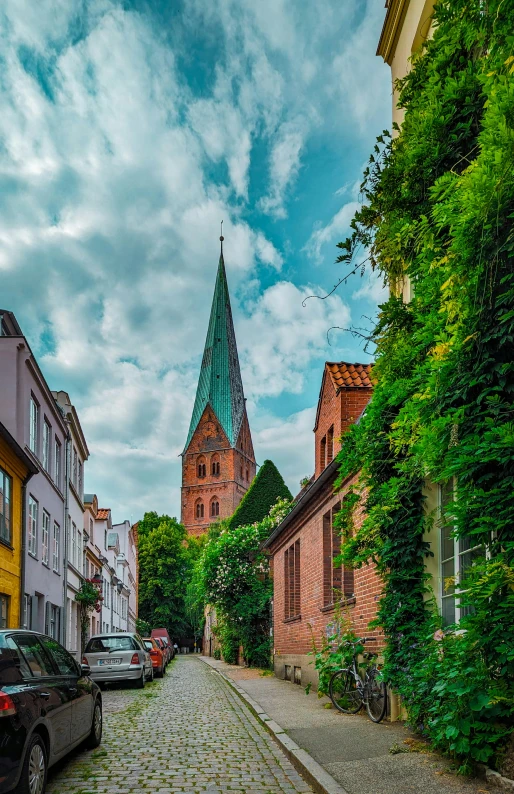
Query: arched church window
<point x="247" y="475"/>
<point x="199" y="509"/>
<point x="215" y="507"/>
<point x="201" y="467"/>
<point x="215" y="465"/>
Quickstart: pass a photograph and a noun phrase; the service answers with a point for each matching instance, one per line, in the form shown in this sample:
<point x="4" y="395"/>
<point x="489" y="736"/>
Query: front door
<point x="53" y="692"/>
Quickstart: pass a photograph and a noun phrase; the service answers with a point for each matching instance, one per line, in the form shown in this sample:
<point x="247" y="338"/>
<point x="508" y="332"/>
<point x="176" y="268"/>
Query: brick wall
<point x="236" y="471"/>
<point x="337" y="410"/>
<point x="294" y="636"/>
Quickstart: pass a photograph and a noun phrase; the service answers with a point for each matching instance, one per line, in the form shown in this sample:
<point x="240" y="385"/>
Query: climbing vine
<point x="437" y="214"/>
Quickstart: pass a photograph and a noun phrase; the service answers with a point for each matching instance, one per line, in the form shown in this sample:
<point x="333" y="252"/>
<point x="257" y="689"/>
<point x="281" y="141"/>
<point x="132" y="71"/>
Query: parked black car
<point x="48" y="706"/>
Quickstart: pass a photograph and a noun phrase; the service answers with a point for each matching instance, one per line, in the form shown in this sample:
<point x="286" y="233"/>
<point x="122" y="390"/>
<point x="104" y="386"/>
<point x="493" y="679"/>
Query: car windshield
<point x="110" y="644"/>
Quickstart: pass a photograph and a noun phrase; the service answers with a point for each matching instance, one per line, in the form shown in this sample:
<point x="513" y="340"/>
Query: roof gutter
<point x="311" y="491"/>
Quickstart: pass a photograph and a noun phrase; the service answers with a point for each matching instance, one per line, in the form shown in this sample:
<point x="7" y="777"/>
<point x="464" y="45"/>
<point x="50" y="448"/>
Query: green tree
<point x="267" y="486"/>
<point x="164" y="570"/>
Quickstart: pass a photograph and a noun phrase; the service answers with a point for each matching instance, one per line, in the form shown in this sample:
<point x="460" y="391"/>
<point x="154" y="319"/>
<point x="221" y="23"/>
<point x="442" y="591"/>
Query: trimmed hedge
<point x="266" y="488"/>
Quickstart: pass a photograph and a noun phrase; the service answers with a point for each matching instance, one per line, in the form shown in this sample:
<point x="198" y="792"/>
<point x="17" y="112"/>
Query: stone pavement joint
<point x="188" y="733"/>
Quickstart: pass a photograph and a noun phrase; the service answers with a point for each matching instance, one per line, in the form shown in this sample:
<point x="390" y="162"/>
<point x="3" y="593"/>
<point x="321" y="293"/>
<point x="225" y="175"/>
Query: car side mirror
<point x="85" y="669"/>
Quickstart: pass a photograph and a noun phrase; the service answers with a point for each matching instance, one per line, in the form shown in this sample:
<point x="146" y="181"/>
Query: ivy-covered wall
<point x="439" y="206"/>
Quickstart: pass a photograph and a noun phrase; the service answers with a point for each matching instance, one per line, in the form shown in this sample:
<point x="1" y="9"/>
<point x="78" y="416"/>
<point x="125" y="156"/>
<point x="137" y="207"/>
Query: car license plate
<point x="109" y="661"/>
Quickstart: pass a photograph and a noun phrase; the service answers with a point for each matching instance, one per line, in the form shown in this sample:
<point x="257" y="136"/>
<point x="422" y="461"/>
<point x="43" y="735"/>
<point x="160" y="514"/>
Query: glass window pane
<point x="448" y="574"/>
<point x="64" y="661"/>
<point x="448" y="610"/>
<point x="447" y="542"/>
<point x="36" y="657"/>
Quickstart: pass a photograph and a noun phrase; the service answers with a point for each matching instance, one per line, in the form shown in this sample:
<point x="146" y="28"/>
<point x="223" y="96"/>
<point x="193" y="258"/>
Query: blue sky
<point x="128" y="130"/>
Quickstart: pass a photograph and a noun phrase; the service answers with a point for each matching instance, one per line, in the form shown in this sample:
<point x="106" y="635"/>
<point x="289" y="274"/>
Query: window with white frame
<point x="79" y="479"/>
<point x="5" y="507"/>
<point x="45" y="537"/>
<point x="45" y="452"/>
<point x="54" y="621"/>
<point x="4" y="610"/>
<point x="56" y="544"/>
<point x="73" y="558"/>
<point x="75" y="465"/>
<point x="32" y="535"/>
<point x="34" y="425"/>
<point x="27" y="611"/>
<point x="57" y="463"/>
<point x="457" y="554"/>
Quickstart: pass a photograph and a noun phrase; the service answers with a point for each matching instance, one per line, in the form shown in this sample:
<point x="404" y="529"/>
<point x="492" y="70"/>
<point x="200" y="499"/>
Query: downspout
<point x="67" y="467"/>
<point x="23" y="534"/>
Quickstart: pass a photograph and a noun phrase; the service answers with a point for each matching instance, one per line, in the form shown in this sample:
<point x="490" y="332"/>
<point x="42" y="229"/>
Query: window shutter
<point x="33" y="618"/>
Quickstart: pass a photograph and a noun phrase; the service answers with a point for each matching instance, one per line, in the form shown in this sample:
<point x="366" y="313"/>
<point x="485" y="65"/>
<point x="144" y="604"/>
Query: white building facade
<point x="74" y="550"/>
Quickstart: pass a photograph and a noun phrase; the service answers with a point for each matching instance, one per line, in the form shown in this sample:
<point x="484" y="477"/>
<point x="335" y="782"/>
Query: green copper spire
<point x="220" y="383"/>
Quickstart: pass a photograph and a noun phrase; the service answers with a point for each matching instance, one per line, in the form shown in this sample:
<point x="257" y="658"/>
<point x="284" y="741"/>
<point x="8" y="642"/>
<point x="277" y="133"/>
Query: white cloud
<point x="110" y="212"/>
<point x="333" y="232"/>
<point x="284" y="167"/>
<point x="372" y="288"/>
<point x="279" y="337"/>
<point x="289" y="443"/>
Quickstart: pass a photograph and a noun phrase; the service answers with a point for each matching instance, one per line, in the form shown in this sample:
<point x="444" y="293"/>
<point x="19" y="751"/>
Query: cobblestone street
<point x="186" y="733"/>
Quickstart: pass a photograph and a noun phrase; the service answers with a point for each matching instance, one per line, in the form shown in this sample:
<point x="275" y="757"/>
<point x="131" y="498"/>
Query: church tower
<point x="218" y="462"/>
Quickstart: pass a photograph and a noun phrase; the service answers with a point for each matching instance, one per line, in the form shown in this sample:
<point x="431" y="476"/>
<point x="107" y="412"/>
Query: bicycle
<point x="349" y="691"/>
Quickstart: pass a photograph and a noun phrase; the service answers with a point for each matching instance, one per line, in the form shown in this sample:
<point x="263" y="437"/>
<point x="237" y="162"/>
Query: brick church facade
<point x="218" y="462"/>
<point x="307" y="585"/>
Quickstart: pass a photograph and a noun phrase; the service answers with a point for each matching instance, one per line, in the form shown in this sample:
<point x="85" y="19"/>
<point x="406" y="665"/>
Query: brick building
<point x="307" y="586"/>
<point x="218" y="462"/>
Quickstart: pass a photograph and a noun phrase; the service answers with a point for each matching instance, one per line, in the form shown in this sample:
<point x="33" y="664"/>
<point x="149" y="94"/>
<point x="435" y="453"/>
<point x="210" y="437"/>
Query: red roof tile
<point x="103" y="513"/>
<point x="350" y="375"/>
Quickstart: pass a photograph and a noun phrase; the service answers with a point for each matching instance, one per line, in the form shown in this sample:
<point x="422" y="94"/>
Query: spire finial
<point x="221" y="237"/>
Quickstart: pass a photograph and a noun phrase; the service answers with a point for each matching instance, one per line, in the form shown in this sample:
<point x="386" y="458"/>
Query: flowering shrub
<point x="234" y="576"/>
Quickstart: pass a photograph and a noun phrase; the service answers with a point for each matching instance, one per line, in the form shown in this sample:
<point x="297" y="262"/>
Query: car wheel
<point x="35" y="768"/>
<point x="150" y="677"/>
<point x="95" y="737"/>
<point x="141" y="681"/>
<point x="160" y="672"/>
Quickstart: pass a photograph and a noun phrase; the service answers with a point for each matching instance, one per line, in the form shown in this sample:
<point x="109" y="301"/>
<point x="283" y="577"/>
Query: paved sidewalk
<point x="187" y="733"/>
<point x="355" y="751"/>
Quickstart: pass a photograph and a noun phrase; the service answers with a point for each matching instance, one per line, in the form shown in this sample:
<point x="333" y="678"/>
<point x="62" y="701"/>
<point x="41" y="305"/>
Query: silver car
<point x="118" y="657"/>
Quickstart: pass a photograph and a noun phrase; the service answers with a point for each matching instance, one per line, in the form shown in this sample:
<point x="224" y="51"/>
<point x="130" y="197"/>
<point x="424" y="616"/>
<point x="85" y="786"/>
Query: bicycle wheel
<point x="344" y="692"/>
<point x="376" y="700"/>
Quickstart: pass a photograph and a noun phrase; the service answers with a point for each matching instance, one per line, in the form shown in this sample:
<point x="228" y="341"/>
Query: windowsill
<point x="7" y="544"/>
<point x="344" y="602"/>
<point x="293" y="619"/>
<point x="56" y="572"/>
<point x="32" y="555"/>
<point x="45" y="564"/>
<point x="74" y="490"/>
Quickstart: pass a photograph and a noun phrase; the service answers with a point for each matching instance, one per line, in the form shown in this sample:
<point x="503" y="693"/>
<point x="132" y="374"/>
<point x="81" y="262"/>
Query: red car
<point x="156" y="654"/>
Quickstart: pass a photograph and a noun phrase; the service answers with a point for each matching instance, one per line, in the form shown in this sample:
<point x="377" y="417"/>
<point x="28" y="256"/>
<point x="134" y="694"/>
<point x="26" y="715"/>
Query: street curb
<point x="314" y="773"/>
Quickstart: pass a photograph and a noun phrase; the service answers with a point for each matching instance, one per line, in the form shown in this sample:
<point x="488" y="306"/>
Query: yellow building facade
<point x="15" y="470"/>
